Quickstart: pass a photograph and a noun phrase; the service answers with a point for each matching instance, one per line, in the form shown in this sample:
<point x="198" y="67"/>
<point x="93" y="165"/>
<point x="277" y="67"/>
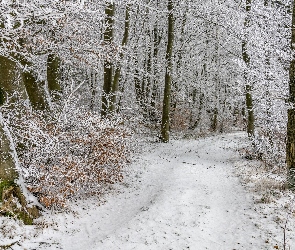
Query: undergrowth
<point x="75" y="156"/>
<point x="274" y="203"/>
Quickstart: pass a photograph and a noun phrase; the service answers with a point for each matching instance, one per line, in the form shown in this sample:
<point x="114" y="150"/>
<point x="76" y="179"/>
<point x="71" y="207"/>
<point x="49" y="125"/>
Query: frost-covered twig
<point x="68" y="99"/>
<point x="20" y="181"/>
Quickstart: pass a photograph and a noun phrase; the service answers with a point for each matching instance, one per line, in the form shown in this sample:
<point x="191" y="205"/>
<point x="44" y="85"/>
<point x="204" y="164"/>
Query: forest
<point x="85" y="83"/>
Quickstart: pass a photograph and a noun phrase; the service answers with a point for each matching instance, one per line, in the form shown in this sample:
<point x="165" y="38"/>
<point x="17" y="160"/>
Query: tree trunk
<point x="117" y="75"/>
<point x="200" y="111"/>
<point x="148" y="78"/>
<point x="13" y="202"/>
<point x="156" y="41"/>
<point x="246" y="58"/>
<point x="12" y="88"/>
<point x="165" y="126"/>
<point x="214" y="121"/>
<point x="8" y="171"/>
<point x="138" y="75"/>
<point x="92" y="89"/>
<point x="178" y="58"/>
<point x="35" y="90"/>
<point x="290" y="147"/>
<point x="108" y="66"/>
<point x="53" y="76"/>
<point x="137" y="84"/>
<point x="11" y="85"/>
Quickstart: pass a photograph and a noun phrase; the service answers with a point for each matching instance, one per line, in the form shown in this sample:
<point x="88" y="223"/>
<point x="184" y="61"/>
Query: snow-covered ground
<point x="182" y="195"/>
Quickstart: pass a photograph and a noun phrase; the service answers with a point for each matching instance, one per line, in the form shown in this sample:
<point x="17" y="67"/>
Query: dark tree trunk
<point x="108" y="66"/>
<point x="93" y="90"/>
<point x="11" y="195"/>
<point x="35" y="90"/>
<point x="53" y="76"/>
<point x="11" y="85"/>
<point x="117" y="75"/>
<point x="290" y="147"/>
<point x="165" y="126"/>
<point x="156" y="41"/>
<point x="248" y="85"/>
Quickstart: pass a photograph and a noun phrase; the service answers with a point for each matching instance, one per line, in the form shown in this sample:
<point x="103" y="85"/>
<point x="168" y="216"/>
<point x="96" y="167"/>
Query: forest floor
<point x="188" y="194"/>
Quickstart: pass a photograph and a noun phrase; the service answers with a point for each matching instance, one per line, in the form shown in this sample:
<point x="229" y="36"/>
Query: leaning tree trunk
<point x="12" y="90"/>
<point x="8" y="171"/>
<point x="12" y="201"/>
<point x="290" y="147"/>
<point x="35" y="90"/>
<point x="108" y="66"/>
<point x="16" y="86"/>
<point x="11" y="86"/>
<point x="246" y="59"/>
<point x="165" y="126"/>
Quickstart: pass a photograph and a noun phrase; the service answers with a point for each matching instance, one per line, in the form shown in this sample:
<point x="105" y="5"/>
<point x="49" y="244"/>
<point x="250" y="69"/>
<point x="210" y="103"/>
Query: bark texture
<point x="11" y="85"/>
<point x="165" y="125"/>
<point x="246" y="58"/>
<point x="53" y="76"/>
<point x="13" y="202"/>
<point x="35" y="90"/>
<point x="290" y="147"/>
<point x="7" y="166"/>
<point x="115" y="86"/>
<point x="108" y="66"/>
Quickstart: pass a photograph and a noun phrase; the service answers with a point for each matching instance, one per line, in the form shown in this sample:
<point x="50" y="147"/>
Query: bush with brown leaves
<point x="75" y="157"/>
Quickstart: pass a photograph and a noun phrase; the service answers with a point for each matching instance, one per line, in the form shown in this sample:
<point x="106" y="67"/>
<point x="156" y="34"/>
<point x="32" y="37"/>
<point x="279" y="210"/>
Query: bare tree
<point x="290" y="149"/>
<point x="165" y="126"/>
<point x="246" y="58"/>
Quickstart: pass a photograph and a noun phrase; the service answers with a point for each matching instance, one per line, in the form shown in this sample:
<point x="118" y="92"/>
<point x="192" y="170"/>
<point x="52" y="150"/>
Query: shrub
<point x="70" y="158"/>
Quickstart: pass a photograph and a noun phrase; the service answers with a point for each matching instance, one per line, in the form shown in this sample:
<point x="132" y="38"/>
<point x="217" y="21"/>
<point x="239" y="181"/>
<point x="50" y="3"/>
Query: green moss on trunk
<point x="5" y="185"/>
<point x="14" y="203"/>
<point x="10" y="81"/>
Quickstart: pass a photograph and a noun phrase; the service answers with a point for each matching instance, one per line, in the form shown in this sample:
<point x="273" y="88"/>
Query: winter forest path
<point x="180" y="195"/>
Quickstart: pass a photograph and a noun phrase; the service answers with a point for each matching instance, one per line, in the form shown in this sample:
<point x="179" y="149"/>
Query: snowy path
<point x="181" y="195"/>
